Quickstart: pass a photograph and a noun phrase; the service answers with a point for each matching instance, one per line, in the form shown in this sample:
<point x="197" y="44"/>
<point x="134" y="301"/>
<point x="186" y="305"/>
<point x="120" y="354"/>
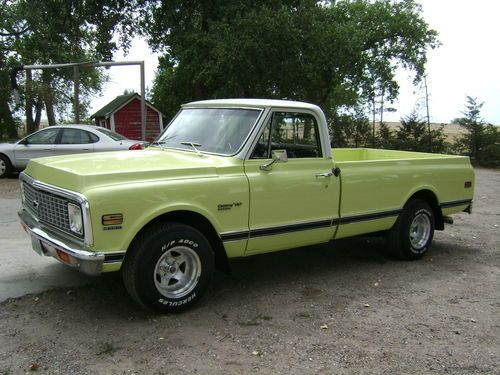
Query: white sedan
<point x="61" y="140"/>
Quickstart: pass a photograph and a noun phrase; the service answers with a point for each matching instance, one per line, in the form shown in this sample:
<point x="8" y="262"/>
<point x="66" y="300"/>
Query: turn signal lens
<point x="112" y="219"/>
<point x="63" y="256"/>
<point x="135" y="146"/>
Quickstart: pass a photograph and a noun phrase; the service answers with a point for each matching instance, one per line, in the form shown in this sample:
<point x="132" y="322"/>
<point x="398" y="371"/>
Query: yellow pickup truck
<point x="232" y="178"/>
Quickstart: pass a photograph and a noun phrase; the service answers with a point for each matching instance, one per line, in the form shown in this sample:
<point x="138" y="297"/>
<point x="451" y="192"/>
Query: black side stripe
<point x="261" y="232"/>
<point x="289" y="228"/>
<point x="455" y="203"/>
<point x="114" y="257"/>
<point x="234" y="236"/>
<point x="365" y="217"/>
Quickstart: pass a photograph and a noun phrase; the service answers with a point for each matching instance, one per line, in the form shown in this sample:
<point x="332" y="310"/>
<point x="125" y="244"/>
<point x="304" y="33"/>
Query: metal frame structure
<point x="76" y="78"/>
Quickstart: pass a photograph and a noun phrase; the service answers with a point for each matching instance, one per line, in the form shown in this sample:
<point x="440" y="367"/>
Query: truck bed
<point x="377" y="181"/>
<point x="370" y="154"/>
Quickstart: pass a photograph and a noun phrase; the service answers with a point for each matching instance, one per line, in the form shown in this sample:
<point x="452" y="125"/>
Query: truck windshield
<point x="214" y="130"/>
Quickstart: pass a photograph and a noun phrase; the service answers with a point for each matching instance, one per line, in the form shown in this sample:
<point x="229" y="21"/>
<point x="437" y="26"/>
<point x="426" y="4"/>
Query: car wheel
<point x="168" y="267"/>
<point x="5" y="166"/>
<point x="411" y="235"/>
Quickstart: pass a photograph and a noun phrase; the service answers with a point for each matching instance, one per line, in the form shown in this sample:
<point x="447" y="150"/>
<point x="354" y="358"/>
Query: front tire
<point x="168" y="267"/>
<point x="411" y="235"/>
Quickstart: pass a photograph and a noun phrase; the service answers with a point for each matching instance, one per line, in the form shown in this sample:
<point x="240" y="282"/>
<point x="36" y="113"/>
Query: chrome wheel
<point x="420" y="231"/>
<point x="177" y="272"/>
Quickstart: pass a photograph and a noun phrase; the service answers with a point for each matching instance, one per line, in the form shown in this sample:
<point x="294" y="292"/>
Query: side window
<point x="75" y="137"/>
<point x="92" y="137"/>
<point x="44" y="137"/>
<point x="261" y="150"/>
<point x="297" y="133"/>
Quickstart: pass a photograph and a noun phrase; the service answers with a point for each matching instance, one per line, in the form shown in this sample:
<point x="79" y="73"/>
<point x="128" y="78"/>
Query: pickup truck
<point x="226" y="179"/>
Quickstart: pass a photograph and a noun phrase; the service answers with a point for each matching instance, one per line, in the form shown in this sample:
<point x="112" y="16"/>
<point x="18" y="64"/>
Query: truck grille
<point x="47" y="208"/>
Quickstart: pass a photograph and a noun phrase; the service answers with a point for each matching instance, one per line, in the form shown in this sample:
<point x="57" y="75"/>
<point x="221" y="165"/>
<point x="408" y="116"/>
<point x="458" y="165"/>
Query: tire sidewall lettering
<point x="423" y="211"/>
<point x="181" y="242"/>
<point x="171" y="303"/>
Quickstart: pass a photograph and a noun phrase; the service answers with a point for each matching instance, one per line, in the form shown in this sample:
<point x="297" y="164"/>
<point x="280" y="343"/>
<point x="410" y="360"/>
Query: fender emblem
<point x="228" y="206"/>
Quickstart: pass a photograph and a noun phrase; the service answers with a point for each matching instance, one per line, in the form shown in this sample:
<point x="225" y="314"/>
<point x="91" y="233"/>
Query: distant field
<point x="452" y="131"/>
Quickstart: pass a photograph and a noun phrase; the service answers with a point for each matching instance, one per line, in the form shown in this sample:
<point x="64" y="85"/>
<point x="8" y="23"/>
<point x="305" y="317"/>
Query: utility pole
<point x="428" y="116"/>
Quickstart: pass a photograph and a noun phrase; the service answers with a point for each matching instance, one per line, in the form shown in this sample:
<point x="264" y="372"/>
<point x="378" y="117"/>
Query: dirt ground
<point x="340" y="308"/>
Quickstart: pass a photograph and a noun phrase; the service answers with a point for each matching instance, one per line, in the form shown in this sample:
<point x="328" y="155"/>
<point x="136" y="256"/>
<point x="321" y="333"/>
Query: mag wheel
<point x="169" y="267"/>
<point x="411" y="235"/>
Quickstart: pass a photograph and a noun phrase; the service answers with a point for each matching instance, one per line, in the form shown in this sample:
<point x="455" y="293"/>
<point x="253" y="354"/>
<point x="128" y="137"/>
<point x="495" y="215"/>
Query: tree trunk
<point x="7" y="124"/>
<point x="48" y="98"/>
<point x="38" y="113"/>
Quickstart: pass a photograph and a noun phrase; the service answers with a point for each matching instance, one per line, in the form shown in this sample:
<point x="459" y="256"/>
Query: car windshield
<point x="214" y="130"/>
<point x="114" y="136"/>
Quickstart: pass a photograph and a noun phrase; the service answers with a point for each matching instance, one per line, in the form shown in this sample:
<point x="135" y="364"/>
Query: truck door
<point x="294" y="202"/>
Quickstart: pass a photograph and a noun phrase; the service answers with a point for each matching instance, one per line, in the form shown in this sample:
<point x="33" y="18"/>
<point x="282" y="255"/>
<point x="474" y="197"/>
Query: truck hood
<point x="82" y="172"/>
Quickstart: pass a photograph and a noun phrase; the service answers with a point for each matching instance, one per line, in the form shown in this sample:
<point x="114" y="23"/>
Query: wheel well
<point x="6" y="157"/>
<point x="201" y="223"/>
<point x="429" y="197"/>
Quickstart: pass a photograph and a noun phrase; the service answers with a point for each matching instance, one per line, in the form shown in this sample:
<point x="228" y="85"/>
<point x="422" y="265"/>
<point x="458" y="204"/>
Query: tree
<point x="329" y="53"/>
<point x="479" y="136"/>
<point x="350" y="128"/>
<point x="412" y="134"/>
<point x="54" y="31"/>
<point x="385" y="137"/>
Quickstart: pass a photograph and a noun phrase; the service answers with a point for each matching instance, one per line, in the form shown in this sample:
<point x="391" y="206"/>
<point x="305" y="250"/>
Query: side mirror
<point x="279" y="156"/>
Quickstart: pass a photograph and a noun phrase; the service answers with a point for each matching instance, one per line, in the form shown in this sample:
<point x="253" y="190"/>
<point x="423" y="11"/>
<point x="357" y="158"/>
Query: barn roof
<point x="119" y="102"/>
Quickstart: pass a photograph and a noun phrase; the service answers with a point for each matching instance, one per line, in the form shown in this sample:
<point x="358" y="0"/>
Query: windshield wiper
<point x="159" y="144"/>
<point x="193" y="145"/>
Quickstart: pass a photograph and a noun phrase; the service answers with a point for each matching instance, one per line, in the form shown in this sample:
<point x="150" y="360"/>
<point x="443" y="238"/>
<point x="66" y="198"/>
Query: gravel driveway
<point x="340" y="308"/>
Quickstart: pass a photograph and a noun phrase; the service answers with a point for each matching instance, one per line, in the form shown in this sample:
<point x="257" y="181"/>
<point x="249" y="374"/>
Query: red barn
<point x="123" y="115"/>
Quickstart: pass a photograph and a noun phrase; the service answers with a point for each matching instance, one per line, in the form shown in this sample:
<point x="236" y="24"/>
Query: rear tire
<point x="411" y="236"/>
<point x="168" y="267"/>
<point x="5" y="166"/>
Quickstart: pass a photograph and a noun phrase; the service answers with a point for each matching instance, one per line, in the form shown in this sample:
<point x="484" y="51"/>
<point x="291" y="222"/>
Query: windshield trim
<point x="252" y="129"/>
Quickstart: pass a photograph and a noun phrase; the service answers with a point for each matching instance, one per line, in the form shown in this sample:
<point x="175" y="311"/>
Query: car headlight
<point x="75" y="218"/>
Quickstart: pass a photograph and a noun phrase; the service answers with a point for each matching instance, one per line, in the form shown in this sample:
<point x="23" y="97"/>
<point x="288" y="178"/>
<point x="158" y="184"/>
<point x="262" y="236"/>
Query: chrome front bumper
<point x="45" y="243"/>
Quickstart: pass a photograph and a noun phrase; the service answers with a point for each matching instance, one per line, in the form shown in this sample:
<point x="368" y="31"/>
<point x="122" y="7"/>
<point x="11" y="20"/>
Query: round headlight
<point x="75" y="218"/>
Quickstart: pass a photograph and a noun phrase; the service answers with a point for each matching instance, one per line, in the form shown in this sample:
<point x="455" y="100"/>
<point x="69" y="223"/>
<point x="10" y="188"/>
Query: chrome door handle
<point x="324" y="174"/>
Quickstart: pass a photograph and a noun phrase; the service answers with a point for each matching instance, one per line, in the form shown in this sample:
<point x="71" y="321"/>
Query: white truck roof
<point x="259" y="103"/>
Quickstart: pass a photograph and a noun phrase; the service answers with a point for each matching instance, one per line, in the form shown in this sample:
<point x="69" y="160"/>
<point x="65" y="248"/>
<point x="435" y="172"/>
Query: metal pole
<point x="428" y="115"/>
<point x="76" y="87"/>
<point x="143" y="102"/>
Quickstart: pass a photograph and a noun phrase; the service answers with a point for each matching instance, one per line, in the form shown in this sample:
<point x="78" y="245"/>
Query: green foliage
<point x="385" y="137"/>
<point x="413" y="135"/>
<point x="481" y="141"/>
<point x="329" y="53"/>
<point x="438" y="141"/>
<point x="350" y="129"/>
<point x="55" y="31"/>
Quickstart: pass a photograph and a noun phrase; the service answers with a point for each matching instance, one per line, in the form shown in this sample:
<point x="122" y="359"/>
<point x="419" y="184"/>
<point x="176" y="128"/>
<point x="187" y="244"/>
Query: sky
<point x="467" y="63"/>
